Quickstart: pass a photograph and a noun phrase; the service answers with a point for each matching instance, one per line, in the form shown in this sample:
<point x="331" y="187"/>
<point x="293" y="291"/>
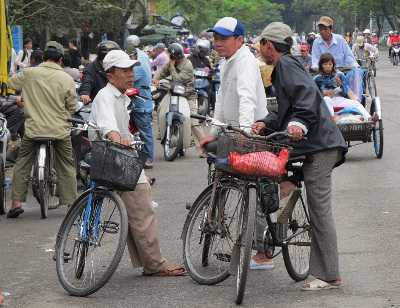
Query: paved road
<point x="366" y="198"/>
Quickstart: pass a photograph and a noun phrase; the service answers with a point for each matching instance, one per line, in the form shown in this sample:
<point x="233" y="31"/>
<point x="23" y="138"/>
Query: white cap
<point x="117" y="58"/>
<point x="366" y="31"/>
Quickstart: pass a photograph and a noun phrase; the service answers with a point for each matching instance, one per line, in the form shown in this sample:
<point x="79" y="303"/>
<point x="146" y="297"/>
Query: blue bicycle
<point x="92" y="237"/>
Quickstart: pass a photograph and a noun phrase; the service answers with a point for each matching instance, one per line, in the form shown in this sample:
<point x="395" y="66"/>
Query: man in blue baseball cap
<point x="241" y="97"/>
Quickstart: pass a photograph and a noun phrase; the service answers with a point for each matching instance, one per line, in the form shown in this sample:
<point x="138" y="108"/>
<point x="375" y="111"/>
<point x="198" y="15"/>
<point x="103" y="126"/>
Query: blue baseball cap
<point x="228" y="26"/>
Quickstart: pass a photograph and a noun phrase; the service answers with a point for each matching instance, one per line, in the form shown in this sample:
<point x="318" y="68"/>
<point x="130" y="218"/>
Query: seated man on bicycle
<point x="49" y="100"/>
<point x="364" y="51"/>
<point x="110" y="114"/>
<point x="302" y="112"/>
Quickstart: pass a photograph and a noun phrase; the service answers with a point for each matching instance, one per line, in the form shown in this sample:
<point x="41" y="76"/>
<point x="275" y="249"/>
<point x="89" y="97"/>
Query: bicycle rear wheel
<point x="246" y="227"/>
<point x="85" y="264"/>
<point x="209" y="233"/>
<point x="296" y="253"/>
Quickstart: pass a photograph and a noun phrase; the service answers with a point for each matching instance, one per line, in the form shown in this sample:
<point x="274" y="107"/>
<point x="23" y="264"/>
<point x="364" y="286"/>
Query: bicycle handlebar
<point x="236" y="129"/>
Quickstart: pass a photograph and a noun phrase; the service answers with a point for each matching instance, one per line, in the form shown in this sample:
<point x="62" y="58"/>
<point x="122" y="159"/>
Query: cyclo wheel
<point x="173" y="141"/>
<point x="377" y="136"/>
<point x="247" y="217"/>
<point x="84" y="265"/>
<point x="3" y="201"/>
<point x="209" y="233"/>
<point x="296" y="253"/>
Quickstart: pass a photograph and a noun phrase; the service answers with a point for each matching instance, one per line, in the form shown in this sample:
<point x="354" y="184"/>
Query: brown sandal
<point x="170" y="271"/>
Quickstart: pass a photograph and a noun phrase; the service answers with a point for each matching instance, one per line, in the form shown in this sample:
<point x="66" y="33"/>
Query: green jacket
<point x="182" y="73"/>
<point x="49" y="99"/>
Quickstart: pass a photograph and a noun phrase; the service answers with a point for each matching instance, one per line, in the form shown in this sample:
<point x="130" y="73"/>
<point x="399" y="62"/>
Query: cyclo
<point x="367" y="131"/>
<point x="218" y="231"/>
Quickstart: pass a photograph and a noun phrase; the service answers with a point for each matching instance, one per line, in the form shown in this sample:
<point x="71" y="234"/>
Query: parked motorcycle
<point x="202" y="87"/>
<point x="174" y="121"/>
<point x="215" y="84"/>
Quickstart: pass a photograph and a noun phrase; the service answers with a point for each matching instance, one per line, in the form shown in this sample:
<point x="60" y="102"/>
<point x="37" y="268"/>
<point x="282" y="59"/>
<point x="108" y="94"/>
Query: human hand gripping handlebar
<point x="212" y="121"/>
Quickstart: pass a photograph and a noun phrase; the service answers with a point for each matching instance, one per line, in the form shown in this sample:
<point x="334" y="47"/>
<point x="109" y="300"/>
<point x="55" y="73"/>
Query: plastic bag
<point x="260" y="163"/>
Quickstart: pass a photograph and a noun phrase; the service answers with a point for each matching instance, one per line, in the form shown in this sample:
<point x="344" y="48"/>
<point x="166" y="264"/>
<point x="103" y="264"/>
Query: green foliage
<point x="202" y="14"/>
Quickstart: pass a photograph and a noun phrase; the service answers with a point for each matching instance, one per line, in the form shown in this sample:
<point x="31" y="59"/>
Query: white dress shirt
<point x="241" y="98"/>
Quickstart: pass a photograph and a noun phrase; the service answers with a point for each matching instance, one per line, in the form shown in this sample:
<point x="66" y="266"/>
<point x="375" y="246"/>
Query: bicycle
<point x="218" y="231"/>
<point x="92" y="237"/>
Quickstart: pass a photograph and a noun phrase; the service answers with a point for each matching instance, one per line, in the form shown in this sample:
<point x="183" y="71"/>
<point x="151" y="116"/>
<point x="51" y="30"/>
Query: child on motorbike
<point x="336" y="90"/>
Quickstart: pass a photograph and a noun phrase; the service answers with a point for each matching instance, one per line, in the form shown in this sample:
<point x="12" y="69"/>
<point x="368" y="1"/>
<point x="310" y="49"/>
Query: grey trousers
<point x="324" y="260"/>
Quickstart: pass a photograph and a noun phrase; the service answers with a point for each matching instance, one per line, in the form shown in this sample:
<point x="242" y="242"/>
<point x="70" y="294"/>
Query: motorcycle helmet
<point x="132" y="41"/>
<point x="175" y="51"/>
<point x="104" y="47"/>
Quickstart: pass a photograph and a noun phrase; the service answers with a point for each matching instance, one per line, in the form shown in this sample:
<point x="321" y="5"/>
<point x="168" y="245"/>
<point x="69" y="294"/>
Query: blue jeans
<point x="143" y="121"/>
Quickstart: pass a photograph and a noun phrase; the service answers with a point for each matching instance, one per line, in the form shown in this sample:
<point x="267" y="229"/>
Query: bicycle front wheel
<point x="209" y="233"/>
<point x="91" y="242"/>
<point x="296" y="253"/>
<point x="246" y="226"/>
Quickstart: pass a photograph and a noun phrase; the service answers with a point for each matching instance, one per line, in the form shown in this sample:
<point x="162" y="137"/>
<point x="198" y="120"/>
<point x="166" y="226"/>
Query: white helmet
<point x="367" y="31"/>
<point x="390" y="32"/>
<point x="202" y="43"/>
<point x="132" y="41"/>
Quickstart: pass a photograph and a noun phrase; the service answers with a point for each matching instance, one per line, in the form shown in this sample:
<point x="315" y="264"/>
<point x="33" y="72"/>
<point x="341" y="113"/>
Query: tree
<point x="202" y="14"/>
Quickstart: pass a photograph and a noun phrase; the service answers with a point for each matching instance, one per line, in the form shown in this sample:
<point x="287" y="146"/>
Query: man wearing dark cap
<point x="333" y="43"/>
<point x="49" y="100"/>
<point x="303" y="113"/>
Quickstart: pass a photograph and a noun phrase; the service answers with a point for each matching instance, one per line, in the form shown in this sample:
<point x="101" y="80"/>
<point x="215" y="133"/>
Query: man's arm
<point x="87" y="82"/>
<point x="163" y="73"/>
<point x="17" y="80"/>
<point x="373" y="52"/>
<point x="71" y="98"/>
<point x="349" y="59"/>
<point x="248" y="78"/>
<point x="103" y="115"/>
<point x="186" y="74"/>
<point x="302" y="93"/>
<point x="315" y="55"/>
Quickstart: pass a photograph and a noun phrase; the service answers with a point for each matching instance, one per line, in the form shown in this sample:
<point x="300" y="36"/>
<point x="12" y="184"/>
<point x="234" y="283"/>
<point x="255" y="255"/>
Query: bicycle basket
<point x="244" y="156"/>
<point x="116" y="166"/>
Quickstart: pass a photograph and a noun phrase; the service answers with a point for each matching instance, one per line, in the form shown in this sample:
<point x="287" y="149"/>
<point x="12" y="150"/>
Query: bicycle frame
<point x="85" y="225"/>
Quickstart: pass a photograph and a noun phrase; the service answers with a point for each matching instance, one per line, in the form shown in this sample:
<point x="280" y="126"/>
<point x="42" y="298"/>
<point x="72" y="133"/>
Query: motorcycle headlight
<point x="179" y="90"/>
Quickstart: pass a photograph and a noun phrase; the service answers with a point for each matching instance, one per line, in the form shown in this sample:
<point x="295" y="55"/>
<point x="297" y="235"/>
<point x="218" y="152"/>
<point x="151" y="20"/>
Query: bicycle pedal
<point x="224" y="257"/>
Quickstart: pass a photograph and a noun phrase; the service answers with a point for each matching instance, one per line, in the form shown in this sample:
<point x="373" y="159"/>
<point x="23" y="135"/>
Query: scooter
<point x="202" y="87"/>
<point x="174" y="122"/>
<point x="396" y="54"/>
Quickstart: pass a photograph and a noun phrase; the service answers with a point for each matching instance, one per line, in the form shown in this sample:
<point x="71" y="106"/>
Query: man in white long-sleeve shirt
<point x="241" y="98"/>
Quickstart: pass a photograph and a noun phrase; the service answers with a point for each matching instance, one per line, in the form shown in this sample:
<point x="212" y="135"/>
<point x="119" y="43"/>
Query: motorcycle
<point x="202" y="87"/>
<point x="215" y="84"/>
<point x="174" y="121"/>
<point x="396" y="54"/>
<point x="81" y="143"/>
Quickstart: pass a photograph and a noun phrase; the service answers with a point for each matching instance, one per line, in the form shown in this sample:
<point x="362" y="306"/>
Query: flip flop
<point x="172" y="271"/>
<point x="318" y="285"/>
<point x="14" y="213"/>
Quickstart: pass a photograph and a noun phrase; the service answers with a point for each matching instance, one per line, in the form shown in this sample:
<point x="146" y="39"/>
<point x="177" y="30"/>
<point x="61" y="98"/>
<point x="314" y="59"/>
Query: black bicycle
<point x="218" y="231"/>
